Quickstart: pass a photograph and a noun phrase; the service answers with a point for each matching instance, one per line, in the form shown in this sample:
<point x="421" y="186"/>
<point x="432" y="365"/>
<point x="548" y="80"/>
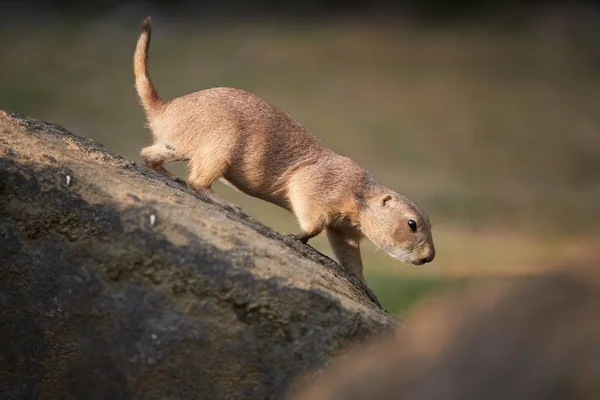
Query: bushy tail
<point x="145" y="89"/>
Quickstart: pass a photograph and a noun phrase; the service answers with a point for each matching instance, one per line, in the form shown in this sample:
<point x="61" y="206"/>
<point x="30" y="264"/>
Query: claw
<point x="299" y="237"/>
<point x="235" y="209"/>
<point x="372" y="296"/>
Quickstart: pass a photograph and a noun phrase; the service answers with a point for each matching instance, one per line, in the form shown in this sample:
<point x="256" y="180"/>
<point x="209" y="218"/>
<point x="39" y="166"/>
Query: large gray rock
<point x="534" y="338"/>
<point x="98" y="303"/>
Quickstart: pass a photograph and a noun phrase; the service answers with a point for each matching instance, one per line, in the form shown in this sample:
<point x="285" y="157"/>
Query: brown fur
<point x="232" y="135"/>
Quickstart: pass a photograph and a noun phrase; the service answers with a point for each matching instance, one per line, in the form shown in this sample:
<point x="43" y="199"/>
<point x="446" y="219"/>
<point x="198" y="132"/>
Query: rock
<point x="537" y="338"/>
<point x="116" y="283"/>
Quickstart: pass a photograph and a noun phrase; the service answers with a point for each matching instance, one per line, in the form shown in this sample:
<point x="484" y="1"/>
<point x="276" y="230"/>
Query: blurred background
<point x="487" y="114"/>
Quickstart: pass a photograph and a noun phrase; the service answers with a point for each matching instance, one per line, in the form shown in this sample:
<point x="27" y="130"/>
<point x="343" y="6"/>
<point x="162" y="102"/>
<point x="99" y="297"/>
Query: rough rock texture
<point x="98" y="302"/>
<point x="536" y="338"/>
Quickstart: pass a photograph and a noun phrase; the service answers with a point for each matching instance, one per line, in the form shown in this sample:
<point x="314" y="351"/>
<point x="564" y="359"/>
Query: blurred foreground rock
<point x="116" y="283"/>
<point x="535" y="339"/>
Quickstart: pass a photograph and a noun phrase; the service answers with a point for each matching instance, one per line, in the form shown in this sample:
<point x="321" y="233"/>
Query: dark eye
<point x="413" y="225"/>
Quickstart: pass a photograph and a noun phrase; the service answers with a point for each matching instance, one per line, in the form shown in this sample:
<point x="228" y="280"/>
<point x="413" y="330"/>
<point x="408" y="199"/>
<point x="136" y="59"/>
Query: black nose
<point x="427" y="259"/>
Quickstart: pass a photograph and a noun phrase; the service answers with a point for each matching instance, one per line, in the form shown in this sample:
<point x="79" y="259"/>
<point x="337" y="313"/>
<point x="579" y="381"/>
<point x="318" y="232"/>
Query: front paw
<point x="371" y="296"/>
<point x="299" y="237"/>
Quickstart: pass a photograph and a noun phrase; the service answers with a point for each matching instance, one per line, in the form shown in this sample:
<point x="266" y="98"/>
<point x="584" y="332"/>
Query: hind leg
<point x="202" y="176"/>
<point x="310" y="227"/>
<point x="156" y="155"/>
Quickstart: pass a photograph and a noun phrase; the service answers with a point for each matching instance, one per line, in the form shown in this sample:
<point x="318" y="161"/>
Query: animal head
<point x="399" y="227"/>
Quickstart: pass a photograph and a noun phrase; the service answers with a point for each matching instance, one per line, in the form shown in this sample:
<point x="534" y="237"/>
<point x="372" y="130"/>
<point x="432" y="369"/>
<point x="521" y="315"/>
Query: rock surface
<point x="116" y="283"/>
<point x="534" y="338"/>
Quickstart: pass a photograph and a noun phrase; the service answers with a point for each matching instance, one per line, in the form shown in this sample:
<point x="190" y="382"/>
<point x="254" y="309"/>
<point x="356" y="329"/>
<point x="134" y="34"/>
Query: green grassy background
<point x="493" y="130"/>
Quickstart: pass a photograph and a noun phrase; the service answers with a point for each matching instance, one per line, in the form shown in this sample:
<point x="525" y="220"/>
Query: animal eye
<point x="413" y="225"/>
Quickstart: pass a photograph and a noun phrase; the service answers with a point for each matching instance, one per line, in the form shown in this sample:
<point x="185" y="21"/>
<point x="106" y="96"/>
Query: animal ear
<point x="385" y="199"/>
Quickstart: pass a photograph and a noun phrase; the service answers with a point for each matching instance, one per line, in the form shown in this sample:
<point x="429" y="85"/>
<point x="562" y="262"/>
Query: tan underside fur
<point x="230" y="134"/>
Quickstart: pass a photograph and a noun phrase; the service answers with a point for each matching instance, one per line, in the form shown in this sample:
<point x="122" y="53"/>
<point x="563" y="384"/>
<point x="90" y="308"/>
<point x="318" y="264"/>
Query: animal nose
<point x="429" y="258"/>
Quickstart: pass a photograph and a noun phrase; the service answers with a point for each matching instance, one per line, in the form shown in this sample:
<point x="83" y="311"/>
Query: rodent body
<point x="230" y="134"/>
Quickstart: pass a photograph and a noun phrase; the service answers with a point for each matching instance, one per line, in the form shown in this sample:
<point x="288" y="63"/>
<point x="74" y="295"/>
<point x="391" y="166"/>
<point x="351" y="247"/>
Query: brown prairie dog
<point x="232" y="135"/>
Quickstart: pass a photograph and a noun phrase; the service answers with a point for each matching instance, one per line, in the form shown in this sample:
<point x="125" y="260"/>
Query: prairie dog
<point x="232" y="135"/>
